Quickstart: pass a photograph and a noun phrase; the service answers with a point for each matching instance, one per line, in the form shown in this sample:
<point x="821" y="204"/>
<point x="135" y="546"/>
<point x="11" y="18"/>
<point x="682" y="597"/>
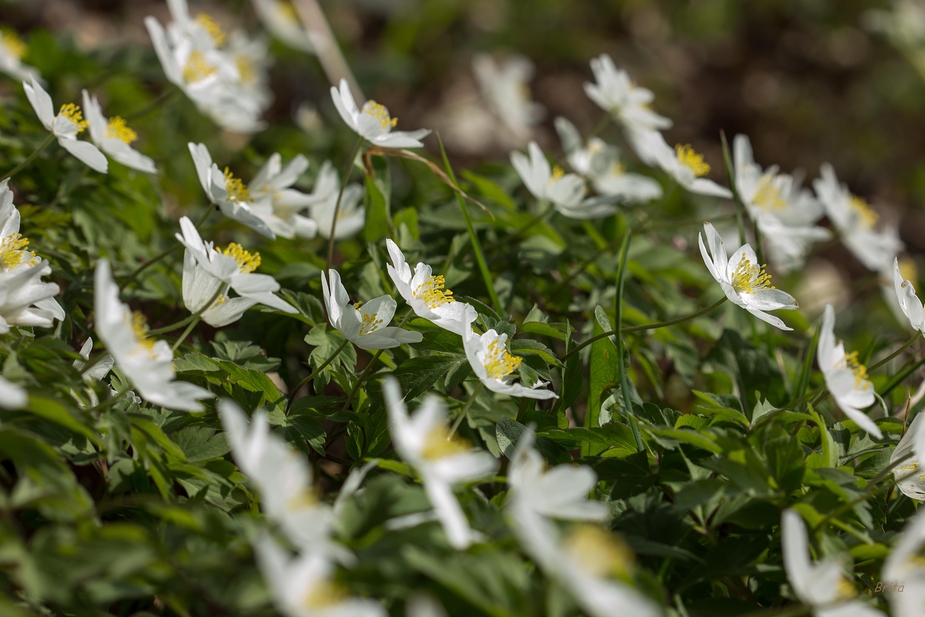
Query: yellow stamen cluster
<point x="371" y="323"/>
<point x="557" y="172"/>
<point x="287" y="11"/>
<point x="432" y="292"/>
<point x="768" y="196"/>
<point x="380" y="113"/>
<point x="323" y="594"/>
<point x="13" y="253"/>
<point x="859" y="370"/>
<point x="908" y="270"/>
<point x="304" y="498"/>
<point x="749" y="278"/>
<point x="72" y="112"/>
<point x="617" y="169"/>
<point x="439" y="443"/>
<point x="599" y="551"/>
<point x="867" y="215"/>
<point x="498" y="362"/>
<point x="846" y="590"/>
<point x="211" y="26"/>
<point x="357" y="305"/>
<point x="235" y="188"/>
<point x="246" y="68"/>
<point x="692" y="160"/>
<point x="14" y="45"/>
<point x="196" y="67"/>
<point x="140" y="328"/>
<point x="247" y="262"/>
<point x="118" y="129"/>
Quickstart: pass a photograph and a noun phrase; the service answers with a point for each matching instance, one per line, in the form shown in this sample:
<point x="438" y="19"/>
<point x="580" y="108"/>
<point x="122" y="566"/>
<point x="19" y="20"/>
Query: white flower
<point x="615" y="93"/>
<point x="373" y="122"/>
<point x="98" y="370"/>
<point x="12" y="49"/>
<point x="364" y="325"/>
<point x="909" y="476"/>
<point x="565" y="191"/>
<point x="425" y="293"/>
<point x="114" y="137"/>
<point x="351" y="217"/>
<point x="599" y="162"/>
<point x="682" y="163"/>
<point x="207" y="270"/>
<point x="560" y="492"/>
<point x="148" y="364"/>
<point x="489" y="358"/>
<point x="821" y="585"/>
<point x="908" y="300"/>
<point x="251" y="57"/>
<point x="279" y="205"/>
<point x="504" y="88"/>
<point x="304" y="586"/>
<point x="903" y="568"/>
<point x="226" y="191"/>
<point x="744" y="281"/>
<point x="65" y="125"/>
<point x="845" y="377"/>
<point x="12" y="396"/>
<point x="280" y="18"/>
<point x="423" y="440"/>
<point x="856" y="222"/>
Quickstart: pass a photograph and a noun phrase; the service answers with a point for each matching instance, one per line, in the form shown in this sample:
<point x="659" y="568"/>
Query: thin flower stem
<point x="730" y="180"/>
<point x="89" y="364"/>
<point x="906" y="346"/>
<point x="193" y="320"/>
<point x="162" y="98"/>
<point x="340" y="196"/>
<point x="314" y="374"/>
<point x="465" y="410"/>
<point x="369" y="366"/>
<point x="31" y="157"/>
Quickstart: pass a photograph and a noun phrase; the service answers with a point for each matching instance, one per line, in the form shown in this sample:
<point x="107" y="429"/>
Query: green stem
<point x="624" y="378"/>
<point x="340" y="196"/>
<point x="730" y="179"/>
<point x="465" y="410"/>
<point x="162" y="98"/>
<point x="131" y="277"/>
<point x="314" y="374"/>
<point x="908" y="344"/>
<point x="31" y="157"/>
<point x="369" y="366"/>
<point x="192" y="320"/>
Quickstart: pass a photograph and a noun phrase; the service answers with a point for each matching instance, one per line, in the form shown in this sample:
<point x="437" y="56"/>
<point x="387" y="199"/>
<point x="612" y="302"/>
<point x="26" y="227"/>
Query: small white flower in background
<point x="12" y="50"/>
<point x="908" y="300"/>
<point x="148" y="364"/>
<point x="744" y="281"/>
<point x="566" y="192"/>
<point x="493" y="364"/>
<point x="114" y="137"/>
<point x="504" y="87"/>
<point x="226" y="191"/>
<point x="96" y="372"/>
<point x="425" y="293"/>
<point x="599" y="162"/>
<point x="207" y="270"/>
<point x="822" y="585"/>
<point x="65" y="125"/>
<point x="12" y="396"/>
<point x="903" y="567"/>
<point x="559" y="492"/>
<point x="423" y="440"/>
<point x="277" y="203"/>
<point x="352" y="214"/>
<point x="908" y="475"/>
<point x="304" y="586"/>
<point x="682" y="163"/>
<point x="251" y="58"/>
<point x="372" y="122"/>
<point x="845" y="377"/>
<point x="615" y="93"/>
<point x="856" y="222"/>
<point x="279" y="17"/>
<point x="363" y="324"/>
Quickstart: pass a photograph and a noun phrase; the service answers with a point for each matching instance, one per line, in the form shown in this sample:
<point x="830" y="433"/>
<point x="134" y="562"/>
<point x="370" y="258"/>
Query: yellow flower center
<point x="72" y="112"/>
<point x="498" y="362"/>
<point x="215" y="31"/>
<point x="246" y="68"/>
<point x="196" y="67"/>
<point x="557" y="172"/>
<point x="865" y="213"/>
<point x="617" y="169"/>
<point x="692" y="160"/>
<point x="908" y="270"/>
<point x="846" y="590"/>
<point x="14" y="45"/>
<point x="380" y="113"/>
<point x="432" y="292"/>
<point x="768" y="196"/>
<point x="324" y="594"/>
<point x="370" y="323"/>
<point x="599" y="551"/>
<point x="235" y="188"/>
<point x="749" y="278"/>
<point x="859" y="370"/>
<point x="287" y="11"/>
<point x="118" y="129"/>
<point x="304" y="498"/>
<point x="247" y="262"/>
<point x="13" y="253"/>
<point x="439" y="443"/>
<point x="140" y="328"/>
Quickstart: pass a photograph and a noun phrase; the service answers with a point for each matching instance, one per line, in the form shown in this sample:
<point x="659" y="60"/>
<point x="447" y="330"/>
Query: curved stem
<point x="369" y="367"/>
<point x="193" y="320"/>
<point x="314" y="374"/>
<point x="340" y="196"/>
<point x="907" y="345"/>
<point x="162" y="98"/>
<point x="31" y="157"/>
<point x="465" y="410"/>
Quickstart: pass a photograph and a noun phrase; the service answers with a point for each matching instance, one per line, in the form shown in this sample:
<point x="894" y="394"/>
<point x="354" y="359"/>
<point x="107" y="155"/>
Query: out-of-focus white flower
<point x="12" y="50"/>
<point x="856" y="222"/>
<point x="226" y="191"/>
<point x="65" y="125"/>
<point x="903" y="573"/>
<point x="304" y="586"/>
<point x="909" y="476"/>
<point x="425" y="293"/>
<point x="282" y="21"/>
<point x="363" y="324"/>
<point x="114" y="137"/>
<point x="845" y="377"/>
<point x="148" y="364"/>
<point x="207" y="270"/>
<point x="615" y="93"/>
<point x="908" y="300"/>
<point x="251" y="58"/>
<point x="682" y="163"/>
<point x="12" y="396"/>
<point x="493" y="364"/>
<point x="277" y="203"/>
<point x="744" y="281"/>
<point x="599" y="162"/>
<point x="904" y="26"/>
<point x="351" y="217"/>
<point x="821" y="585"/>
<point x="443" y="460"/>
<point x="504" y="88"/>
<point x="98" y="370"/>
<point x="372" y="122"/>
